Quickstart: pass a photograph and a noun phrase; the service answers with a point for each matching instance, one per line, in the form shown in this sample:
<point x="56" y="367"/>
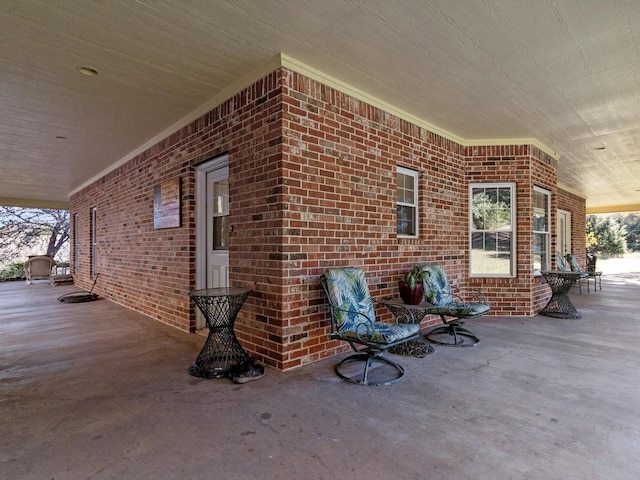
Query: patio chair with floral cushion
<point x="561" y="263"/>
<point x="452" y="309"/>
<point x="353" y="320"/>
<point x="591" y="272"/>
<point x="38" y="268"/>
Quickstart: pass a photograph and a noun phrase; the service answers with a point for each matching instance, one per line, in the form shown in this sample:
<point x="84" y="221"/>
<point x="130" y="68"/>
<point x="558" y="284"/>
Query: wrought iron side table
<point x="221" y="350"/>
<point x="560" y="282"/>
<point x="405" y="313"/>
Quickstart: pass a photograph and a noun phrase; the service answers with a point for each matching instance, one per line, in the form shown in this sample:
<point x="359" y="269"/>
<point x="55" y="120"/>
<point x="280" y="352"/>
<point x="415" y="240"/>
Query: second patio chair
<point x="452" y="309"/>
<point x="38" y="268"/>
<point x="591" y="272"/>
<point x="561" y="263"/>
<point x="353" y="320"/>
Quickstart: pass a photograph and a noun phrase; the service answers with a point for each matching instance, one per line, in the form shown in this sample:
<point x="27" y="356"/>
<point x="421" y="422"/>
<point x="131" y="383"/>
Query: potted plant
<point x="411" y="288"/>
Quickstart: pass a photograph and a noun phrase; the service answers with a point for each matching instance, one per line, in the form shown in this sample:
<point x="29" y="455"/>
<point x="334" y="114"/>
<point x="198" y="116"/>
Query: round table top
<point x="397" y="302"/>
<point x="220" y="292"/>
<point x="561" y="273"/>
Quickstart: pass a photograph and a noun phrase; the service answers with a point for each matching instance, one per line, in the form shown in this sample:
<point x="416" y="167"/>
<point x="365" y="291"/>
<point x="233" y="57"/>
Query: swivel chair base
<point x="457" y="332"/>
<point x="362" y="376"/>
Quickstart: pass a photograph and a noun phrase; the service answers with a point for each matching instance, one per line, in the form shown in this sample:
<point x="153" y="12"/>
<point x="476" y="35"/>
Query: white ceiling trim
<point x="223" y="96"/>
<point x="306" y="70"/>
<point x="561" y="186"/>
<point x="33" y="203"/>
<point x="291" y="63"/>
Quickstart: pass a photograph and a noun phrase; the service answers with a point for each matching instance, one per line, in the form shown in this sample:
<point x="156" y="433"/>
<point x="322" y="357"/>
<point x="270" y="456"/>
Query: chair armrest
<point x="364" y="326"/>
<point x="473" y="304"/>
<point x="476" y="296"/>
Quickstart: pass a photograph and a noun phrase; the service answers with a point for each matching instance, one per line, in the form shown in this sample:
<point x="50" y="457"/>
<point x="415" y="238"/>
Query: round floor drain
<point x="78" y="297"/>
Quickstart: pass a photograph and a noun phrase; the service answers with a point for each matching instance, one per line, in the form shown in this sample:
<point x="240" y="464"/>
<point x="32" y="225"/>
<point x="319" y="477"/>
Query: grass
<point x="627" y="263"/>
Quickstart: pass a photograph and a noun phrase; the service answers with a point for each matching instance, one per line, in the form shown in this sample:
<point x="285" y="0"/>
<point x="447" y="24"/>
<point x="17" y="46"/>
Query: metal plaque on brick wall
<point x="166" y="204"/>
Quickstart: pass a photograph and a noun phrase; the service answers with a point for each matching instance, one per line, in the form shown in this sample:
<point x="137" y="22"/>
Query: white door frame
<point x="566" y="216"/>
<point x="201" y="222"/>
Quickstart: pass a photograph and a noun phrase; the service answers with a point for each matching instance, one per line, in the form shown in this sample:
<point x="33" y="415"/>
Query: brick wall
<point x="527" y="166"/>
<point x="312" y="186"/>
<point x="152" y="270"/>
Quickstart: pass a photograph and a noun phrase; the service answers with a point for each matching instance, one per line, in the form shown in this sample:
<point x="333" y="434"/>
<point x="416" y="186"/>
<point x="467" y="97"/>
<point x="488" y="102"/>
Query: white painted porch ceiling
<point x="563" y="72"/>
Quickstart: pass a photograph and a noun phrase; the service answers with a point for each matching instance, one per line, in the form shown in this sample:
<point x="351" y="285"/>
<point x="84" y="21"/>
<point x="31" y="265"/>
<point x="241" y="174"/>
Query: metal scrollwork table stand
<point x="560" y="282"/>
<point x="221" y="350"/>
<point x="405" y="313"/>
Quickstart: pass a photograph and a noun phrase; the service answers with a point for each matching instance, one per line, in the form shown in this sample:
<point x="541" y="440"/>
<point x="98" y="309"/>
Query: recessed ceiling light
<point x="88" y="71"/>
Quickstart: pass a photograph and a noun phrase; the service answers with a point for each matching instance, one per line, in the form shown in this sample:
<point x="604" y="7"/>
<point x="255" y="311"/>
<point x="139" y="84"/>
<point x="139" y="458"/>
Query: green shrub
<point x="12" y="272"/>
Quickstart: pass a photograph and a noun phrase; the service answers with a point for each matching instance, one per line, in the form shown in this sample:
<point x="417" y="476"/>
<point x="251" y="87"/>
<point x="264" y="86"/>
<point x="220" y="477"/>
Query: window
<point x="220" y="213"/>
<point x="75" y="243"/>
<point x="541" y="230"/>
<point x="407" y="202"/>
<point x="492" y="229"/>
<point x="94" y="242"/>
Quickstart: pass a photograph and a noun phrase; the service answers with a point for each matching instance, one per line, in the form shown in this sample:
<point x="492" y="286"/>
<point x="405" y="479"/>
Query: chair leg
<point x="362" y="376"/>
<point x="597" y="281"/>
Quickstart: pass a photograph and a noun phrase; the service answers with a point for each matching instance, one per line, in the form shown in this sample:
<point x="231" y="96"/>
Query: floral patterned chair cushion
<point x="353" y="320"/>
<point x="561" y="262"/>
<point x="437" y="290"/>
<point x="591" y="273"/>
<point x="452" y="309"/>
<point x="573" y="263"/>
<point x="353" y="311"/>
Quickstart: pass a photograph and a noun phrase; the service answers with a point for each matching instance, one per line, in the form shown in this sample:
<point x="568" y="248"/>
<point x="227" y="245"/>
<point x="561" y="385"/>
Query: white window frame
<point x="94" y="242"/>
<point x="546" y="233"/>
<point x="512" y="231"/>
<point x="76" y="244"/>
<point x="412" y="204"/>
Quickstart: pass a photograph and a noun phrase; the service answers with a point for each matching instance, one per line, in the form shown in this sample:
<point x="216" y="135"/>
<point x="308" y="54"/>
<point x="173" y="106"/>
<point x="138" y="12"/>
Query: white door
<point x="218" y="228"/>
<point x="563" y="234"/>
<point x="212" y="226"/>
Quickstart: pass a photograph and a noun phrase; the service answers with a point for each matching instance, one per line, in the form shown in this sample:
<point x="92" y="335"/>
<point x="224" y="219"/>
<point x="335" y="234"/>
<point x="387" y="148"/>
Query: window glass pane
<point x="491" y="253"/>
<point x="406" y="220"/>
<point x="503" y="209"/>
<point x="221" y="196"/>
<point x="406" y="201"/>
<point x="540" y="212"/>
<point x="541" y="229"/>
<point x="94" y="242"/>
<point x="491" y="230"/>
<point x="491" y="209"/>
<point x="540" y="253"/>
<point x="405" y="189"/>
<point x="478" y="207"/>
<point x="221" y="233"/>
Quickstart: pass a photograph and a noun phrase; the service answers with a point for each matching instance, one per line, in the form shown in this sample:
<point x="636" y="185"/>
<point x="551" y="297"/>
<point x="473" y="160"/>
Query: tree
<point x="605" y="235"/>
<point x="632" y="225"/>
<point x="491" y="209"/>
<point x="33" y="231"/>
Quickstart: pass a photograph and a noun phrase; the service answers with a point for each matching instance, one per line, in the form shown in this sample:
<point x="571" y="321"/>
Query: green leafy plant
<point x="415" y="276"/>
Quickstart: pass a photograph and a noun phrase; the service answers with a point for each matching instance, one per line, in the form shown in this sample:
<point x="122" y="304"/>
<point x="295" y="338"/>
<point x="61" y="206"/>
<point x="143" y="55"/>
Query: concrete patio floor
<point x="96" y="391"/>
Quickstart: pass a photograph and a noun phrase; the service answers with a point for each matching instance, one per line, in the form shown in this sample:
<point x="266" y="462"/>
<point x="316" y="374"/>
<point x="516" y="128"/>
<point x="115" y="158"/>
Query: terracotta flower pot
<point x="411" y="296"/>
